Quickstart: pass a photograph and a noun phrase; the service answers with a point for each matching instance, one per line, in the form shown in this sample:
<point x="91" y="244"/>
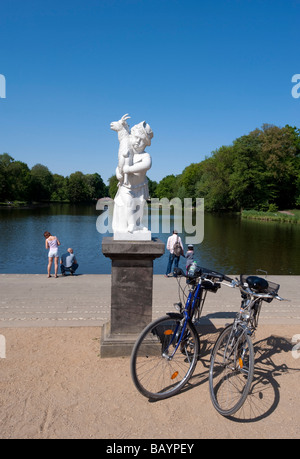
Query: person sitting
<point x="68" y="262"/>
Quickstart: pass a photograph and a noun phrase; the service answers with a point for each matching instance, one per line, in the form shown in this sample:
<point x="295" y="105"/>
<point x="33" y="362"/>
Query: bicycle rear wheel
<point x="231" y="370"/>
<point x="156" y="370"/>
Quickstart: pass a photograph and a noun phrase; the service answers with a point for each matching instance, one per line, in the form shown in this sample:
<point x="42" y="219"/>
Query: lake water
<point x="230" y="245"/>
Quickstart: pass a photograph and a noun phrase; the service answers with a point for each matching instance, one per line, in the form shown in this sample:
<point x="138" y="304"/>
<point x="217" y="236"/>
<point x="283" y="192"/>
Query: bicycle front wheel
<point x="231" y="370"/>
<point x="164" y="357"/>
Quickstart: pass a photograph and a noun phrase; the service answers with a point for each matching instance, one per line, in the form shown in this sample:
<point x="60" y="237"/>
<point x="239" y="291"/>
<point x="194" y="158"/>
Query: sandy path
<point x="54" y="385"/>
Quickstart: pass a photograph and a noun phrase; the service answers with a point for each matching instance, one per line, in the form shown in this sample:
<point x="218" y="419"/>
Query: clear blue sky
<point x="201" y="73"/>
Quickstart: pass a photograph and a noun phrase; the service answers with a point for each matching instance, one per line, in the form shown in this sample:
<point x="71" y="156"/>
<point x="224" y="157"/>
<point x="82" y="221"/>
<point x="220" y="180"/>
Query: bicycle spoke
<point x="231" y="371"/>
<point x="157" y="371"/>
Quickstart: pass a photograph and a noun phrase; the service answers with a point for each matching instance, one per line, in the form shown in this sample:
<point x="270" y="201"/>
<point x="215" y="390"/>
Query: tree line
<point x="38" y="184"/>
<point x="260" y="170"/>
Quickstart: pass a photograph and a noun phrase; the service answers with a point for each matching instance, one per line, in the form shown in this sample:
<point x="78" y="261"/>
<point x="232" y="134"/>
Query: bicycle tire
<point x="156" y="373"/>
<point x="231" y="370"/>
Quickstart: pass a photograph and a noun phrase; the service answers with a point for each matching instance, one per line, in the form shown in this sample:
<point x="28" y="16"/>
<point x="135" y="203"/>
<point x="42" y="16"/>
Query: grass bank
<point x="285" y="216"/>
<point x="13" y="204"/>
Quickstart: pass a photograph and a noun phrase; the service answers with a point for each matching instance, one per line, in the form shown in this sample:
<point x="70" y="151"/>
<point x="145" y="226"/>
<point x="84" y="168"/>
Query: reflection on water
<point x="230" y="245"/>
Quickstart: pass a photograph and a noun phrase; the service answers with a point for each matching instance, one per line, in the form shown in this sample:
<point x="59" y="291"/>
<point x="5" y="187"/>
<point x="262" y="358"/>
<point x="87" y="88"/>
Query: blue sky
<point x="201" y="73"/>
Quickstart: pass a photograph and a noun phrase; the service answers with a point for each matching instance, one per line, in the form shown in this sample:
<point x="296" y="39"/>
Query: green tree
<point x="247" y="183"/>
<point x="280" y="150"/>
<point x="214" y="184"/>
<point x="59" y="188"/>
<point x="188" y="179"/>
<point x="79" y="188"/>
<point x="5" y="162"/>
<point x="19" y="181"/>
<point x="259" y="170"/>
<point x="41" y="183"/>
<point x="14" y="179"/>
<point x="152" y="184"/>
<point x="166" y="188"/>
<point x="98" y="189"/>
<point x="112" y="186"/>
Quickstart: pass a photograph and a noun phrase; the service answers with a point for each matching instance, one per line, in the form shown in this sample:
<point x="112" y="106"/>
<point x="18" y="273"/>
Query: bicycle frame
<point x="195" y="300"/>
<point x="195" y="294"/>
<point x="235" y="341"/>
<point x="164" y="354"/>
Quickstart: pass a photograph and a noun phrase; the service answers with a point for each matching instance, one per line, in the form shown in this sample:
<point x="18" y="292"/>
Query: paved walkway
<point x="54" y="385"/>
<point x="33" y="300"/>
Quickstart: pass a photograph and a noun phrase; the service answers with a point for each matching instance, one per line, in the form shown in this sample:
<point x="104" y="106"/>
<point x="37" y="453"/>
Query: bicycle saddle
<point x="258" y="284"/>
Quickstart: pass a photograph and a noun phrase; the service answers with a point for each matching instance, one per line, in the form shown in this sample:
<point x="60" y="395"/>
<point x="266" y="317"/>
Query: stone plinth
<point x="131" y="292"/>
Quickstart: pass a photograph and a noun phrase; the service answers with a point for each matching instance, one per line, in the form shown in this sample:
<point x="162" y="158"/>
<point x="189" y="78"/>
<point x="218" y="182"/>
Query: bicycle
<point x="232" y="358"/>
<point x="165" y="354"/>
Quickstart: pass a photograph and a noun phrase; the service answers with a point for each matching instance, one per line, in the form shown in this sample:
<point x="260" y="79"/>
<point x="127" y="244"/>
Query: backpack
<point x="177" y="249"/>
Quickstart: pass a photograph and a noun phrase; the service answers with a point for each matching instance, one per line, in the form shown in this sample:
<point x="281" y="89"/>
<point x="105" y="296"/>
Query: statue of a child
<point x="133" y="163"/>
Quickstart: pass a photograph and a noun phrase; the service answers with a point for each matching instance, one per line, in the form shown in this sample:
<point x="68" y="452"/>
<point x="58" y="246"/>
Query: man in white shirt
<point x="172" y="257"/>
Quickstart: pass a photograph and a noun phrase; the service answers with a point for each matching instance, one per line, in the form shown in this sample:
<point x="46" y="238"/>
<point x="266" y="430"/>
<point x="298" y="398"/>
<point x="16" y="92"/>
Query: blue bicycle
<point x="165" y="355"/>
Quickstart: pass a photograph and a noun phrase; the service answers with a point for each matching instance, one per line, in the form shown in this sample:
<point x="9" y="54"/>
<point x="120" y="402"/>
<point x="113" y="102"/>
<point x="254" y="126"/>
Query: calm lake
<point x="230" y="245"/>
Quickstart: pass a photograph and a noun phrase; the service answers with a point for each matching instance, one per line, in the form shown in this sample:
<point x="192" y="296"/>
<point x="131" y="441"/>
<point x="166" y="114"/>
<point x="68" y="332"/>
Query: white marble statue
<point x="133" y="164"/>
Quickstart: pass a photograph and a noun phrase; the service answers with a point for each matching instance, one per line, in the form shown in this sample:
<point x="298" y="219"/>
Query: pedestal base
<point x="131" y="289"/>
<point x="117" y="345"/>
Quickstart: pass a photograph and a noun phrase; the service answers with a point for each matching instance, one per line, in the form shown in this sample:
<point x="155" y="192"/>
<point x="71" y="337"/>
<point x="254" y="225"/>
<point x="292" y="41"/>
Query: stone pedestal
<point x="131" y="292"/>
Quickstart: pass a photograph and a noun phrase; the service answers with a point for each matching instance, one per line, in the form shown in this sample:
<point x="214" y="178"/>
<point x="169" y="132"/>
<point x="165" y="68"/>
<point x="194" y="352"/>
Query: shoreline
<point x="280" y="216"/>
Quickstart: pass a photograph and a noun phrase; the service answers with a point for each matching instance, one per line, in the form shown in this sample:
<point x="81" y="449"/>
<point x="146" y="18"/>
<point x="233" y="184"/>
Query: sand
<point x="54" y="385"/>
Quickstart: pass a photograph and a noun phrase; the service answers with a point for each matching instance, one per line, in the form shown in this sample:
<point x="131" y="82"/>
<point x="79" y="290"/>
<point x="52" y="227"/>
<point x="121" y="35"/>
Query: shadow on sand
<point x="264" y="394"/>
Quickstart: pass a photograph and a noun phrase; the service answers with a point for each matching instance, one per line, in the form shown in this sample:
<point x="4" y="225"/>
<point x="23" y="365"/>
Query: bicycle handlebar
<point x="248" y="291"/>
<point x="207" y="274"/>
<point x="203" y="273"/>
<point x="228" y="279"/>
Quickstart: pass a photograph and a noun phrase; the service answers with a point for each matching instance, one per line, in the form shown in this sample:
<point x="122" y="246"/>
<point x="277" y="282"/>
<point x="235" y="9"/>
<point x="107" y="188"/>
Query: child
<point x="131" y="141"/>
<point x="189" y="257"/>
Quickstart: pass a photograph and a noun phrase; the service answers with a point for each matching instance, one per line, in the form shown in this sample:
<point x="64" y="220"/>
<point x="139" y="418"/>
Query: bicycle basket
<point x="259" y="285"/>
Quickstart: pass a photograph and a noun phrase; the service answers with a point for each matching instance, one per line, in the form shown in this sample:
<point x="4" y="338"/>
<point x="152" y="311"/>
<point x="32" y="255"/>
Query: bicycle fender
<point x="175" y="315"/>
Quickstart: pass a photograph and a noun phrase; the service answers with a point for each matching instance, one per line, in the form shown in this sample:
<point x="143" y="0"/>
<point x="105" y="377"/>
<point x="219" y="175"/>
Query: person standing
<point x="173" y="256"/>
<point x="52" y="244"/>
<point x="68" y="262"/>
